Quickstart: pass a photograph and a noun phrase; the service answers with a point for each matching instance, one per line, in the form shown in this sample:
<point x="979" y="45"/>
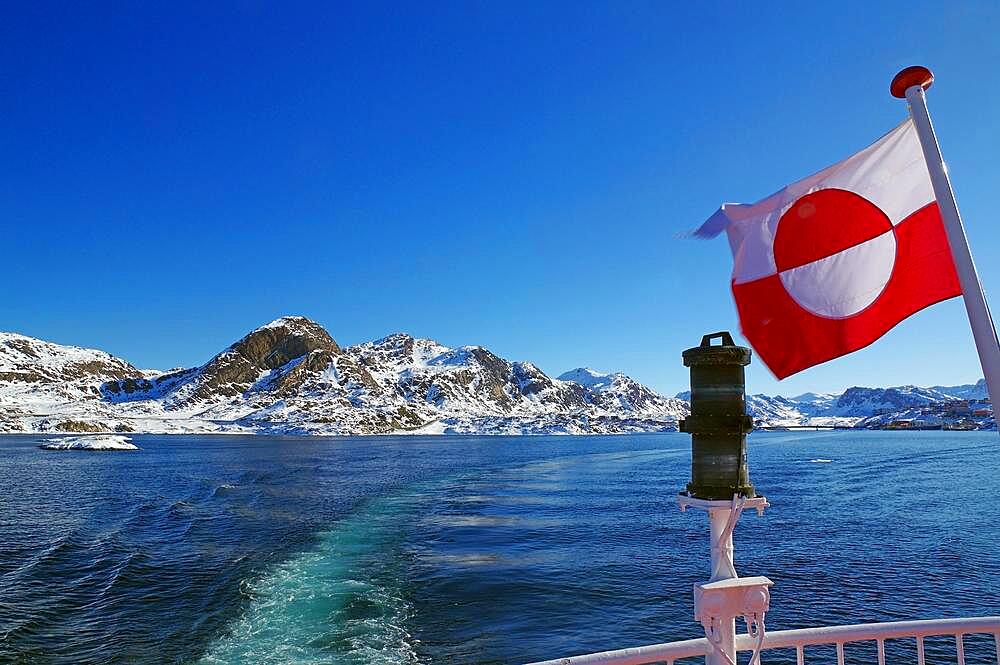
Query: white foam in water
<point x="94" y="442"/>
<point x="820" y="460"/>
<point x="340" y="602"/>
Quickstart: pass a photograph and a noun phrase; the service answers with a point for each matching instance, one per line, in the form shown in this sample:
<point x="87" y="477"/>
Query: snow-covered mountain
<point x="862" y="402"/>
<point x="290" y="376"/>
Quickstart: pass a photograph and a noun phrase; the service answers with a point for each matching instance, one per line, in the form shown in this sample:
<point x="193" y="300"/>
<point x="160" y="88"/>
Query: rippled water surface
<point x="469" y="549"/>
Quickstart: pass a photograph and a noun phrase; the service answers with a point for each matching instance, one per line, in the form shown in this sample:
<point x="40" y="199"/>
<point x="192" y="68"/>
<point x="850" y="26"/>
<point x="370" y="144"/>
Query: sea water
<point x="202" y="549"/>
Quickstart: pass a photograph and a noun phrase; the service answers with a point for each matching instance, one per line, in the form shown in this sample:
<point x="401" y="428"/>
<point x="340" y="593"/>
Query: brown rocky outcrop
<point x="270" y="347"/>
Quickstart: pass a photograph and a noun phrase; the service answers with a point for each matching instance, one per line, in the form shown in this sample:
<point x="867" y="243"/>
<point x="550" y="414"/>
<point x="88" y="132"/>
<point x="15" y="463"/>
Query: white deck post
<point x="719" y="620"/>
<point x="723" y="568"/>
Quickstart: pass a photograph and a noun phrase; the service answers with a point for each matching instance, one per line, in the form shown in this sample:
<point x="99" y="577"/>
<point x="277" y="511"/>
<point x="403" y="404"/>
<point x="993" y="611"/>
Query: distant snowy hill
<point x="863" y="407"/>
<point x="968" y="391"/>
<point x="620" y="393"/>
<point x="38" y="377"/>
<point x="778" y="411"/>
<point x="590" y="378"/>
<point x="290" y="376"/>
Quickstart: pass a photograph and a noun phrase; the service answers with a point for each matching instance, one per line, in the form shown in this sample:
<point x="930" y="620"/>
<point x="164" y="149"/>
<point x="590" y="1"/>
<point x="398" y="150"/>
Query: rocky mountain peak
<point x="274" y="348"/>
<point x="399" y="344"/>
<point x="531" y="380"/>
<point x="269" y="348"/>
<point x="281" y="341"/>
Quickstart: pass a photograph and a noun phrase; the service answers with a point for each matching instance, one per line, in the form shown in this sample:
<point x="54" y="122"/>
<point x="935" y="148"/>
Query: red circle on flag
<point x="823" y="223"/>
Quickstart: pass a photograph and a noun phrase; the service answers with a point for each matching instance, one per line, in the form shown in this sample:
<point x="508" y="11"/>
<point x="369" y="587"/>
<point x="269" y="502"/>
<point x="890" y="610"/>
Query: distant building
<point x="957" y="408"/>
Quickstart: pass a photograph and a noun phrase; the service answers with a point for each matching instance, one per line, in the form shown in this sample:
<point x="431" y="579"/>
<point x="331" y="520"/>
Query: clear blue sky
<point x="503" y="174"/>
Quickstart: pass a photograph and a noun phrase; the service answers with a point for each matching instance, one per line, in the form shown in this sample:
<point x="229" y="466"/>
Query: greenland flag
<point x="829" y="264"/>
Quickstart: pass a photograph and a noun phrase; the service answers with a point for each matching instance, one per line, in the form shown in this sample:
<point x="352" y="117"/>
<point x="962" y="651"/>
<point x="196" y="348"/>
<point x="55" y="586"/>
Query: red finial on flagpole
<point x="910" y="77"/>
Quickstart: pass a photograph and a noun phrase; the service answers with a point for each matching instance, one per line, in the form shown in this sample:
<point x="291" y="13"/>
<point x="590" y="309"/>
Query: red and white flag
<point x="829" y="264"/>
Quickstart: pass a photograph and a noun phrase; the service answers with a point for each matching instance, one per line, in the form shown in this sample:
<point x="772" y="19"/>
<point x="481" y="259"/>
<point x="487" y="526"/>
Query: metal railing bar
<point x="798" y="639"/>
<point x="840" y="653"/>
<point x="960" y="649"/>
<point x="778" y="639"/>
<point x="653" y="653"/>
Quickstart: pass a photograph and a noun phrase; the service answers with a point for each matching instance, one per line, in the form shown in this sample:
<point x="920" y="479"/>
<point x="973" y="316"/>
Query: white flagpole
<point x="911" y="83"/>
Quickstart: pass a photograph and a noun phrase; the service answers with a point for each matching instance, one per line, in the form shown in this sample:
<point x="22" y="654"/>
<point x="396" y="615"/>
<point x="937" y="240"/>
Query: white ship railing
<point x="801" y="638"/>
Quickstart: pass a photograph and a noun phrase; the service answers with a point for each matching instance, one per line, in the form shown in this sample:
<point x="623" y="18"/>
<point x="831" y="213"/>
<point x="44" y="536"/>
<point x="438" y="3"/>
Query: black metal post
<point x="718" y="423"/>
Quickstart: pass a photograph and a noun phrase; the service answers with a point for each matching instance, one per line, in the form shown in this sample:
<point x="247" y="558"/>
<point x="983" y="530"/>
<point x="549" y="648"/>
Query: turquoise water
<point x="346" y="596"/>
<point x="469" y="549"/>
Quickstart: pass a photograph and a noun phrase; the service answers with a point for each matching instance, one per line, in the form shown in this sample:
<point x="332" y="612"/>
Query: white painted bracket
<point x="758" y="503"/>
<point x="728" y="599"/>
<point x="716" y="604"/>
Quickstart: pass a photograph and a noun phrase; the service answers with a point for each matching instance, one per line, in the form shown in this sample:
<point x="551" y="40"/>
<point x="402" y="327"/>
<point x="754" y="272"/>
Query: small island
<point x="101" y="442"/>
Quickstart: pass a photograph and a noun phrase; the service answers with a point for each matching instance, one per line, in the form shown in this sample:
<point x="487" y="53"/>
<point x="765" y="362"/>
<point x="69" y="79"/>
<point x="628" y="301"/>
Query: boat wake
<point x="342" y="601"/>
